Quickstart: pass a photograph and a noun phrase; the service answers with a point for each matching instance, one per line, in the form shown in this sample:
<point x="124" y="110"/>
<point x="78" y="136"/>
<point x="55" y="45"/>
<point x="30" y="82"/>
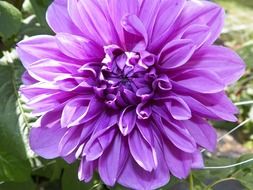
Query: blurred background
<point x="229" y="168"/>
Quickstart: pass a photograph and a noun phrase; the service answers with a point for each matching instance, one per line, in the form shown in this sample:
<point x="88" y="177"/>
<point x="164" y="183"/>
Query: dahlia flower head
<point x="128" y="86"/>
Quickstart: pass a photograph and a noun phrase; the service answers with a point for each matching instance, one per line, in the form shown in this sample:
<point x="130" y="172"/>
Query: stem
<point x="229" y="166"/>
<point x="209" y="187"/>
<point x="191" y="183"/>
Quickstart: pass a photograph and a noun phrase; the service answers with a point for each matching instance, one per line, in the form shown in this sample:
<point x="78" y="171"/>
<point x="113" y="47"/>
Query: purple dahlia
<point x="127" y="87"/>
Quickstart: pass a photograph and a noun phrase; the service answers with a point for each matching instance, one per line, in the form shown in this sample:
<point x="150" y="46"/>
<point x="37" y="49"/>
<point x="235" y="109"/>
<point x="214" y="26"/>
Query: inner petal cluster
<point x="126" y="78"/>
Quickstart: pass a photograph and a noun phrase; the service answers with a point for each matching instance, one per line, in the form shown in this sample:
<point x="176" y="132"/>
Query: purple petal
<point x="44" y="141"/>
<point x="100" y="139"/>
<point x="43" y="103"/>
<point x="178" y="161"/>
<point x="39" y="47"/>
<point x="117" y="154"/>
<point x="178" y="108"/>
<point x="70" y="83"/>
<point x="202" y="132"/>
<point x="177" y="135"/>
<point x="176" y="53"/>
<point x="127" y="121"/>
<point x="51" y="118"/>
<point x="73" y="110"/>
<point x="201" y="13"/>
<point x="158" y="20"/>
<point x="136" y="37"/>
<point x="59" y="20"/>
<point x="197" y="160"/>
<point x="85" y="172"/>
<point x="72" y="139"/>
<point x="221" y="109"/>
<point x="143" y="111"/>
<point x="70" y="159"/>
<point x="202" y="81"/>
<point x="79" y="111"/>
<point x="142" y="151"/>
<point x="27" y="79"/>
<point x="220" y="60"/>
<point x="92" y="18"/>
<point x="199" y="34"/>
<point x="78" y="47"/>
<point x="118" y="9"/>
<point x="47" y="70"/>
<point x="135" y="177"/>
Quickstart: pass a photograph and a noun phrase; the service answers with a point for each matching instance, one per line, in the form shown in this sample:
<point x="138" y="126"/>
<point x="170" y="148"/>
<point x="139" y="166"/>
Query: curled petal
<point x="143" y="111"/>
<point x="163" y="83"/>
<point x="127" y="121"/>
<point x="90" y="70"/>
<point x="144" y="93"/>
<point x="111" y="100"/>
<point x="147" y="59"/>
<point x="178" y="108"/>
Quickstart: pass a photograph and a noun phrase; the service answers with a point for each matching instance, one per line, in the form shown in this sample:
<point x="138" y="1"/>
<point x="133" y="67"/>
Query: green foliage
<point x="40" y="7"/>
<point x="20" y="169"/>
<point x="10" y="18"/>
<point x="70" y="181"/>
<point x="14" y="165"/>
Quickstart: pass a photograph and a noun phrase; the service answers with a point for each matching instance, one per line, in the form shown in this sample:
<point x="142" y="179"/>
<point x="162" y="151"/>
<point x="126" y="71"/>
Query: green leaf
<point x="31" y="28"/>
<point x="14" y="165"/>
<point x="70" y="180"/>
<point x="244" y="172"/>
<point x="40" y="7"/>
<point x="27" y="185"/>
<point x="10" y="20"/>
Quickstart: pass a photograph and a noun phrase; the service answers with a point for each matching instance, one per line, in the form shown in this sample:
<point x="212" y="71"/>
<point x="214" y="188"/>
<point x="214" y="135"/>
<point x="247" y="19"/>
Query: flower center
<point x="119" y="69"/>
<point x="126" y="78"/>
